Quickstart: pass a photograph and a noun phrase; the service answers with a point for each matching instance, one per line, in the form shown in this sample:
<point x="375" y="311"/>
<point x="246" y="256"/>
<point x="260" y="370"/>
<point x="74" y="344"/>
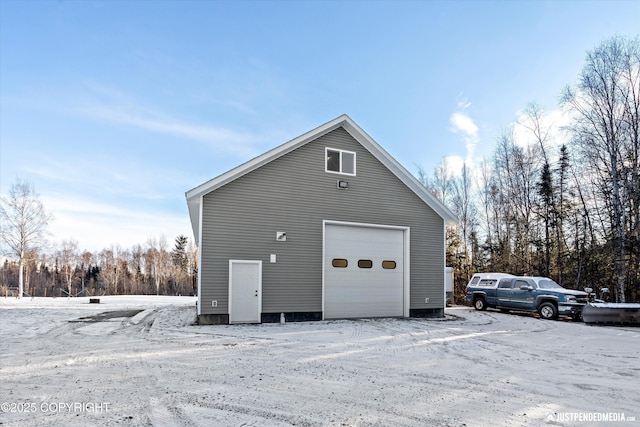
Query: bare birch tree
<point x="602" y="102"/>
<point x="158" y="260"/>
<point x="110" y="268"/>
<point x="464" y="206"/>
<point x="23" y="224"/>
<point x="68" y="258"/>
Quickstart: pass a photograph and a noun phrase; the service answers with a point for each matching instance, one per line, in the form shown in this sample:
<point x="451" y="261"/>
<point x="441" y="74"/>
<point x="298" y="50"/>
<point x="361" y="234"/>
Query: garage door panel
<point x="363" y="280"/>
<point x="377" y="302"/>
<point x="363" y="292"/>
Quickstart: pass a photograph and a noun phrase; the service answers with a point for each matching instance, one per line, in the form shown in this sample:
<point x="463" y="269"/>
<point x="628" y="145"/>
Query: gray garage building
<point x="325" y="226"/>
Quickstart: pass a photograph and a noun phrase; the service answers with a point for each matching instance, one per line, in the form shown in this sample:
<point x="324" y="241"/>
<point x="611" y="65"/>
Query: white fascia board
<point x="198" y="237"/>
<point x="195" y="207"/>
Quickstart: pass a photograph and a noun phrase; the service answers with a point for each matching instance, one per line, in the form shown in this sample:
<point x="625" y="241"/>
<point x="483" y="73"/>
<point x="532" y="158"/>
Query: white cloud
<point x="97" y="225"/>
<point x="227" y="140"/>
<point x="109" y="176"/>
<point x="50" y="169"/>
<point x="110" y="104"/>
<point x="463" y="124"/>
<point x="464" y="103"/>
<point x="454" y="165"/>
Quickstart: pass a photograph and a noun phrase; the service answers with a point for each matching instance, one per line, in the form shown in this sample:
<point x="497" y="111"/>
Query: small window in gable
<point x="340" y="161"/>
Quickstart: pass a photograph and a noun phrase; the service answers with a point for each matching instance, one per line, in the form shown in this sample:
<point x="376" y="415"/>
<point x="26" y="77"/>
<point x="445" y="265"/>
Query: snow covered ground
<point x="66" y="362"/>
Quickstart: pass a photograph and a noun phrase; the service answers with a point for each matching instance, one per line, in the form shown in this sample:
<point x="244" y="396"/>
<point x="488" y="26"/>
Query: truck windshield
<point x="548" y="284"/>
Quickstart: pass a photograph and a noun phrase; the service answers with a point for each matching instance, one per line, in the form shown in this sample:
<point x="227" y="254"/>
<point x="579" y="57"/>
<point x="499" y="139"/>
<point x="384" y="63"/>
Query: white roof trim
<point x="194" y="196"/>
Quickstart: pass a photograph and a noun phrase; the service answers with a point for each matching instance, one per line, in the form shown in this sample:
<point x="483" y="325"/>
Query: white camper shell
<point x="487" y="280"/>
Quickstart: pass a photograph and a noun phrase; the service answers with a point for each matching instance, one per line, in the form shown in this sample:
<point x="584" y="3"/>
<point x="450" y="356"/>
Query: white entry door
<point x="245" y="291"/>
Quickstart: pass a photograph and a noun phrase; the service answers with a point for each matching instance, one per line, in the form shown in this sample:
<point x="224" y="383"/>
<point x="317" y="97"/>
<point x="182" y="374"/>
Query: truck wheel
<point x="548" y="311"/>
<point x="480" y="304"/>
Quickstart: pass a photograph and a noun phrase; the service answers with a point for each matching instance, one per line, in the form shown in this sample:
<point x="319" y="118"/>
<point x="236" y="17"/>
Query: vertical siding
<point x="294" y="194"/>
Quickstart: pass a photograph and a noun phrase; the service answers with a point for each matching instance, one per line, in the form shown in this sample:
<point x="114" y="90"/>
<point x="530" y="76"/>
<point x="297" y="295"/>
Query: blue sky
<point x="113" y="109"/>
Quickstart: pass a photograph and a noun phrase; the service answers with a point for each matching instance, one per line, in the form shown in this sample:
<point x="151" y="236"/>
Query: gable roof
<point x="194" y="196"/>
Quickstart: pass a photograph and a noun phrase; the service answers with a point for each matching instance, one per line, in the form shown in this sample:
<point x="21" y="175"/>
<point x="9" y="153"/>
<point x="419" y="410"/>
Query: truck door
<point x="521" y="298"/>
<point x="503" y="293"/>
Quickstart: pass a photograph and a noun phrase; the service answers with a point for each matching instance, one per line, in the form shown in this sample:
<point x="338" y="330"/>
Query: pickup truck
<point x="524" y="293"/>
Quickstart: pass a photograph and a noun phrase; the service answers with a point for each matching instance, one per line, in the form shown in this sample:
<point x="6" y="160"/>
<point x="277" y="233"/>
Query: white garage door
<point x="363" y="272"/>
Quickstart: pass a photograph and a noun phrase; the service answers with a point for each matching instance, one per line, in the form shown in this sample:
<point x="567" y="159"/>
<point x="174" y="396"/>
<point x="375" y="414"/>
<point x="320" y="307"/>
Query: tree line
<point x="558" y="201"/>
<point x="32" y="270"/>
<point x="154" y="268"/>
